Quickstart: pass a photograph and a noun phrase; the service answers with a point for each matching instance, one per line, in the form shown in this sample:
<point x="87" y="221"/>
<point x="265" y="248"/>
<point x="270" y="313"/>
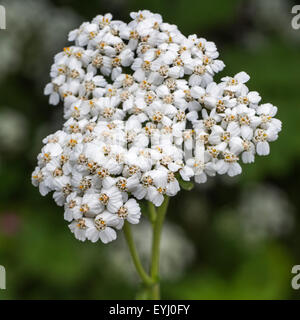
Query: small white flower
<point x="52" y="90"/>
<point x="111" y="199"/>
<point x="72" y="207"/>
<point x="236" y="83"/>
<point x="130" y="211"/>
<point x="228" y="164"/>
<point x="102" y="228"/>
<point x="79" y="227"/>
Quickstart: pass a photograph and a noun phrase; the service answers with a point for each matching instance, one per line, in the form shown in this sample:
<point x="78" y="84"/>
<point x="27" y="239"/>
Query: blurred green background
<point x="228" y="239"/>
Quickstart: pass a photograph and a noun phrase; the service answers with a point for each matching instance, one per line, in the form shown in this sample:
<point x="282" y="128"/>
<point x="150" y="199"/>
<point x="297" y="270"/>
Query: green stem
<point x="152" y="212"/>
<point x="151" y="282"/>
<point x="157" y="228"/>
<point x="148" y="281"/>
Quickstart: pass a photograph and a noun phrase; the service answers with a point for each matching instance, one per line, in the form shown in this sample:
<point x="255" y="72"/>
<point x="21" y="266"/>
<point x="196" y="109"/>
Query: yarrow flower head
<point x="143" y="114"/>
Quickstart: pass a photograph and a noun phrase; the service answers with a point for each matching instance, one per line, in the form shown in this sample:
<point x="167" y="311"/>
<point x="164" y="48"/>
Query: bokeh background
<point x="228" y="239"/>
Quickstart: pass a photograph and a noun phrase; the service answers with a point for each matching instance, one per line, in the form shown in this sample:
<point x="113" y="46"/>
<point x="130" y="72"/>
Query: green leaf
<point x="185" y="185"/>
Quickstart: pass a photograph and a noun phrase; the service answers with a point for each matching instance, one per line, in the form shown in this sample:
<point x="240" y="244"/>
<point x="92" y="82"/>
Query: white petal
<point x="263" y="148"/>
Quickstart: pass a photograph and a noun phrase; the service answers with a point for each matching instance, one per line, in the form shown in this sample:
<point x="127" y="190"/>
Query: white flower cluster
<point x="142" y="114"/>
